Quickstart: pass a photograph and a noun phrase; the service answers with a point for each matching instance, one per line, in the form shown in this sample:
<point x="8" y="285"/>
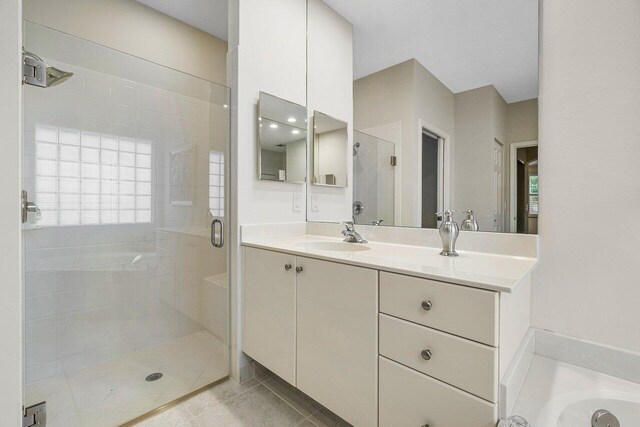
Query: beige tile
<point x="326" y="418"/>
<point x="306" y="423"/>
<point x="257" y="407"/>
<point x="172" y="417"/>
<point x="294" y="397"/>
<point x="229" y="389"/>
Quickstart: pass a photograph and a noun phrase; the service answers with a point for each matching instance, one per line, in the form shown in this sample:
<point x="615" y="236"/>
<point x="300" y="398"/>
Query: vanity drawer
<point x="462" y="363"/>
<point x="460" y="310"/>
<point x="409" y="398"/>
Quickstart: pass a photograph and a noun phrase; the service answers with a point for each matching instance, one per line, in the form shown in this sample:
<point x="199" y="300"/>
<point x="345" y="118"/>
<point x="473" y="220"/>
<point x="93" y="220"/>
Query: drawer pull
<point x="426" y="354"/>
<point x="287" y="267"/>
<point x="426" y="305"/>
<point x="298" y="269"/>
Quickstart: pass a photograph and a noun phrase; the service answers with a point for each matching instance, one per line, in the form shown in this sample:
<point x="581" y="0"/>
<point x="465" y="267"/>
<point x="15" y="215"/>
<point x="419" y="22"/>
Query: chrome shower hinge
<point x="394" y="160"/>
<point x="35" y="415"/>
<point x="34" y="70"/>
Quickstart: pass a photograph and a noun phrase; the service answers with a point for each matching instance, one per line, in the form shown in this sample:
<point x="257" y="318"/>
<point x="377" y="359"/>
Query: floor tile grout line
<point x="281" y="397"/>
<point x="222" y="401"/>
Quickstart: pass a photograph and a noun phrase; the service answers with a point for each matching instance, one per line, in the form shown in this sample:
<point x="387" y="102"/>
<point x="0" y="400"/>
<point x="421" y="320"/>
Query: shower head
<point x="37" y="73"/>
<point x="355" y="148"/>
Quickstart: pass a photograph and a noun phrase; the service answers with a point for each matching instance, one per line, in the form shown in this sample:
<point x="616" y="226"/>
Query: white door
<point x="498" y="187"/>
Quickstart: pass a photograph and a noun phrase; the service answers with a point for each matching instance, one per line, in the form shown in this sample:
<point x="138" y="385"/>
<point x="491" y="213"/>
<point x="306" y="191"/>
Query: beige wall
<point x="522" y="121"/>
<point x="480" y="118"/>
<point x="586" y="284"/>
<point x="403" y="95"/>
<point x="10" y="262"/>
<point x="131" y="27"/>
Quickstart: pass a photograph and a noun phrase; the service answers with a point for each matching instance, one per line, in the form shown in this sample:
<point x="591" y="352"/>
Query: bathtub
<point x="558" y="394"/>
<point x="576" y="409"/>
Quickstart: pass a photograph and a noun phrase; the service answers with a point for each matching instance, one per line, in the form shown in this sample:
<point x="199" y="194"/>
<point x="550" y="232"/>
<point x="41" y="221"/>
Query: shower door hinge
<point x="34" y="69"/>
<point x="35" y="415"/>
<point x="394" y="160"/>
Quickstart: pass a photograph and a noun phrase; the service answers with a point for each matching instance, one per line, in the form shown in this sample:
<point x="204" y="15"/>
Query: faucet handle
<point x="348" y="225"/>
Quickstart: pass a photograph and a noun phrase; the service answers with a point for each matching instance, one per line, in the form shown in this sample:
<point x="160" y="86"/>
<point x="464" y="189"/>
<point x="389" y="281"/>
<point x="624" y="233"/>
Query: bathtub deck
<point x="549" y="380"/>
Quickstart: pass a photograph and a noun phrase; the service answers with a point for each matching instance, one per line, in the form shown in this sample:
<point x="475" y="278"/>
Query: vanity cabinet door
<point x="337" y="338"/>
<point x="269" y="300"/>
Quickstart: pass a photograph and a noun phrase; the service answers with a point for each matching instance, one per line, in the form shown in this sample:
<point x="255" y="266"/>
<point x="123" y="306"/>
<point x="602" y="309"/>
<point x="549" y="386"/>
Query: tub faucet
<point x="448" y="233"/>
<point x="350" y="234"/>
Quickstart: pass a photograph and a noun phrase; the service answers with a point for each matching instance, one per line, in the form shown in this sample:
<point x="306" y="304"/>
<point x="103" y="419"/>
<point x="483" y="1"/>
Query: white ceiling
<point x="207" y="15"/>
<point x="465" y="43"/>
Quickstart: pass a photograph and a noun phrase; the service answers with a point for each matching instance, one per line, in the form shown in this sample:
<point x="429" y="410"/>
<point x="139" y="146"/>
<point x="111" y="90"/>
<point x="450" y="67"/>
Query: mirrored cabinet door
<point x="282" y="141"/>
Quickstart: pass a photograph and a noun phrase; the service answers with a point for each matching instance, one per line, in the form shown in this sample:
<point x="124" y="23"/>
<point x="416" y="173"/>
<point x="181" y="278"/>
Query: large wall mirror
<point x="445" y="113"/>
<point x="282" y="140"/>
<point x="329" y="150"/>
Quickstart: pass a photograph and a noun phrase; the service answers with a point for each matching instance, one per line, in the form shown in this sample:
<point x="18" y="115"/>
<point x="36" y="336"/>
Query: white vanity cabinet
<point x="269" y="315"/>
<point x="337" y="345"/>
<point x="380" y="347"/>
<point x="314" y="324"/>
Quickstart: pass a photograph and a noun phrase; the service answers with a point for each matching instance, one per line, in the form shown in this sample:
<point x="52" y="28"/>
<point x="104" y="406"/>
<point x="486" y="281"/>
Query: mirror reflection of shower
<point x="36" y="72"/>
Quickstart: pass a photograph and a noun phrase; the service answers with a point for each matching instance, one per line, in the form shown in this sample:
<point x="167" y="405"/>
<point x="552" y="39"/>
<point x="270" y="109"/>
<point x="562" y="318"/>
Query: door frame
<point x="513" y="180"/>
<point x="444" y="166"/>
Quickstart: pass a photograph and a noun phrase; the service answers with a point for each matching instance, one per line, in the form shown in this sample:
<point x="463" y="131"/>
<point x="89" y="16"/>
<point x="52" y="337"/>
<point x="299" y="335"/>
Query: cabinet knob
<point x="287" y="267"/>
<point x="298" y="269"/>
<point x="426" y="354"/>
<point x="426" y="305"/>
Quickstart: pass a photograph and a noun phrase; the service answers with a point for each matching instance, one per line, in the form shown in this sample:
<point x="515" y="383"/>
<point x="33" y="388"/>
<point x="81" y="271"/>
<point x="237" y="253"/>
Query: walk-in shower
<point x="126" y="299"/>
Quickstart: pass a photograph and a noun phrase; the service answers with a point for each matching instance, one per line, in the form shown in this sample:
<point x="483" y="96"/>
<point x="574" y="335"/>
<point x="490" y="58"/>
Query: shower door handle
<point x="27" y="207"/>
<point x="217" y="243"/>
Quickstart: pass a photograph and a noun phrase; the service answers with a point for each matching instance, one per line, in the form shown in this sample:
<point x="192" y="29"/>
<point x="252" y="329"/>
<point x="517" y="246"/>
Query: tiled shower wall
<point x="100" y="286"/>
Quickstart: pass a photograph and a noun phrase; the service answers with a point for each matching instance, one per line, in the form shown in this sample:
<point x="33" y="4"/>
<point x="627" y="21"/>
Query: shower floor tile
<point x="113" y="392"/>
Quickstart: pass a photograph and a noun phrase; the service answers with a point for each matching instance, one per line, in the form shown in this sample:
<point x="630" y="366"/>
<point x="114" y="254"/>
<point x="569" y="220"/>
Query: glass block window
<point x="86" y="177"/>
<point x="216" y="183"/>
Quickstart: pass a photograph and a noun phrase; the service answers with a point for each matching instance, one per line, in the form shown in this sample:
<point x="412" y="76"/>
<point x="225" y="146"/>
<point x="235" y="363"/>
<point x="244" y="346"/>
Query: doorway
<point x="524" y="187"/>
<point x="432" y="178"/>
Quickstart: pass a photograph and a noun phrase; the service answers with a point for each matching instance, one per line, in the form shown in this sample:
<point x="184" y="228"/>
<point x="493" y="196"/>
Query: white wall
<point x="267" y="52"/>
<point x="10" y="262"/>
<point x="134" y="28"/>
<point x="330" y="91"/>
<point x="587" y="285"/>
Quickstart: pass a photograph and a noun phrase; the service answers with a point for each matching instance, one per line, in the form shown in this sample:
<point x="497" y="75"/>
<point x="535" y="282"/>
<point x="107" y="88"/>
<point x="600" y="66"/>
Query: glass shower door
<point x="373" y="180"/>
<point x="126" y="298"/>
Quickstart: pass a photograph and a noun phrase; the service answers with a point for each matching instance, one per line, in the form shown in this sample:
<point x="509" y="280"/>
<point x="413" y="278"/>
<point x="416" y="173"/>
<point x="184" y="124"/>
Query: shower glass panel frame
<point x="126" y="162"/>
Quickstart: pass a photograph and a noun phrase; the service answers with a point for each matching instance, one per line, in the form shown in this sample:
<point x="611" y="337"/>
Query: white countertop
<point x="500" y="273"/>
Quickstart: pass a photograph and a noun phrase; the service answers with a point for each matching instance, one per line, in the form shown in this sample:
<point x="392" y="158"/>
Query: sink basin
<point x="334" y="246"/>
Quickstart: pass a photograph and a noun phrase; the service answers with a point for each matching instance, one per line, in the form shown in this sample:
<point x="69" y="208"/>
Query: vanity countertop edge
<point x="499" y="273"/>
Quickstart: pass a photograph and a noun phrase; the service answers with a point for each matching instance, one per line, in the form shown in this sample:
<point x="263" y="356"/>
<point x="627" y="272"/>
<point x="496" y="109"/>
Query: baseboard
<point x="590" y="355"/>
<point x="513" y="379"/>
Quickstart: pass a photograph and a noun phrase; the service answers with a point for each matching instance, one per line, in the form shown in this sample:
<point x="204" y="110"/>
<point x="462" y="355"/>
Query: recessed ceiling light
<point x="291" y="119"/>
<point x="273" y="125"/>
<point x="295" y="131"/>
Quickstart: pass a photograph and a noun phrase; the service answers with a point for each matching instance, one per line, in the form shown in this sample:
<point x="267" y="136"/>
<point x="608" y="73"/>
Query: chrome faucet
<point x="350" y="234"/>
<point x="448" y="233"/>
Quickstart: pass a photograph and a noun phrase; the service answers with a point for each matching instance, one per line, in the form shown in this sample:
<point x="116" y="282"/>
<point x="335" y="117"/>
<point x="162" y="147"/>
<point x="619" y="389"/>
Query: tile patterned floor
<point x="111" y="393"/>
<point x="265" y="400"/>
